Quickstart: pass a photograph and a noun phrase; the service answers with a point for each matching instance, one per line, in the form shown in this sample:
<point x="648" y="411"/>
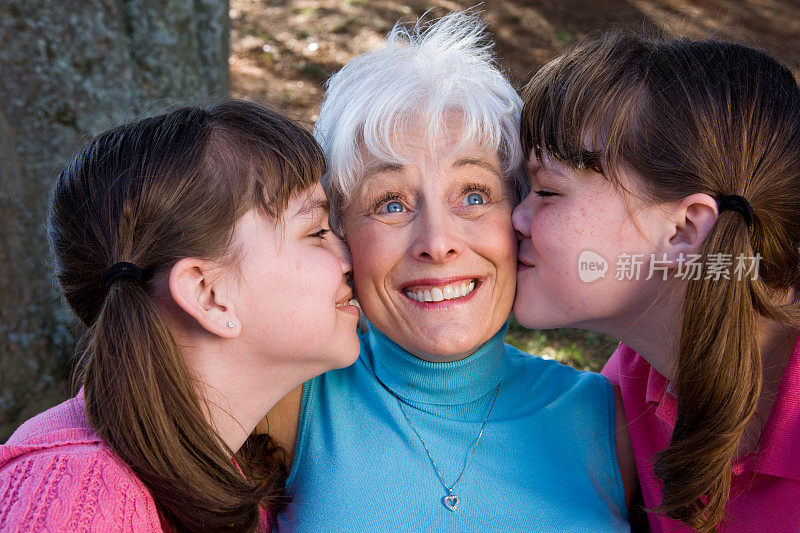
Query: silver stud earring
<point x="230" y="324"/>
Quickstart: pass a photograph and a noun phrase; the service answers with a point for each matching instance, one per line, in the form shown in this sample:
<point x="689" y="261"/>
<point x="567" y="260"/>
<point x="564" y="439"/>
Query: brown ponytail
<point x="151" y="193"/>
<point x="718" y="380"/>
<point x="692" y="117"/>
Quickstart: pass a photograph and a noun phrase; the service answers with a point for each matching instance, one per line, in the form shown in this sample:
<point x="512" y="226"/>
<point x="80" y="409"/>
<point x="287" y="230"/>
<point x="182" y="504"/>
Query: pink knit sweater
<point x="57" y="475"/>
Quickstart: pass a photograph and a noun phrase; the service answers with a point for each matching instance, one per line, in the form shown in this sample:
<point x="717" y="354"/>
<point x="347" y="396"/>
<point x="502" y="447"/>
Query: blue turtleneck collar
<point x="419" y="381"/>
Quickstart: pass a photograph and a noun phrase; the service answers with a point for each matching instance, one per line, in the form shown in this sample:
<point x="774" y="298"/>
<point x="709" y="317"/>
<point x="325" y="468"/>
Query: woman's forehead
<point x="392" y="138"/>
<point x="453" y="156"/>
<point x="406" y="147"/>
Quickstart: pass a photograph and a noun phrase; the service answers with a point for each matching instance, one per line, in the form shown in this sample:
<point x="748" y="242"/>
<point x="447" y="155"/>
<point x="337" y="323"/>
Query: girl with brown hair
<point x="194" y="249"/>
<point x="665" y="192"/>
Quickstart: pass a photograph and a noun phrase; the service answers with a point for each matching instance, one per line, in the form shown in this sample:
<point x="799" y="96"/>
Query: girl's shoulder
<point x="57" y="474"/>
<point x="64" y="423"/>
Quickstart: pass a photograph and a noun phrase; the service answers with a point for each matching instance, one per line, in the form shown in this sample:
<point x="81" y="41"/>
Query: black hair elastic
<point x="734" y="202"/>
<point x="123" y="269"/>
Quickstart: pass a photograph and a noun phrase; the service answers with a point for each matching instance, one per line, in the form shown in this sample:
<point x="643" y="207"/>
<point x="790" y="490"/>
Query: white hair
<point x="426" y="70"/>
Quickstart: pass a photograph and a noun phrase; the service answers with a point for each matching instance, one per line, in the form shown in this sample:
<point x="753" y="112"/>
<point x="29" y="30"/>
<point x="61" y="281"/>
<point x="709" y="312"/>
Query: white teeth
<point x="438" y="294"/>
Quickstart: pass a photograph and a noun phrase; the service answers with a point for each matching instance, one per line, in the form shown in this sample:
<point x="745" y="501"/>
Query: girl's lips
<point x="344" y="296"/>
<point x="349" y="309"/>
<point x="525" y="262"/>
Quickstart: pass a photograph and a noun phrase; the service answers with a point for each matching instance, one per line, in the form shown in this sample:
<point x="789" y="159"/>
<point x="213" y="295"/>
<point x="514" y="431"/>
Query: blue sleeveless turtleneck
<point x="546" y="460"/>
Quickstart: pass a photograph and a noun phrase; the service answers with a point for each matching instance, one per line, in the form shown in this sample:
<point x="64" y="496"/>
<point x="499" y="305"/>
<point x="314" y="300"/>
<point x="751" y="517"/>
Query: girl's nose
<point x="521" y="218"/>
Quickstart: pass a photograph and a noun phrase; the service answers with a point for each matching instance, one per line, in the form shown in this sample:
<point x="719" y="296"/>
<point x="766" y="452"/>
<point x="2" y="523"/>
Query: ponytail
<point x="151" y="193"/>
<point x="718" y="348"/>
<point x="141" y="400"/>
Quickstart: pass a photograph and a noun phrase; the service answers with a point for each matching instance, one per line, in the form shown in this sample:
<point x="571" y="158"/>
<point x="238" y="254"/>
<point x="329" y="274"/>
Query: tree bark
<point x="68" y="71"/>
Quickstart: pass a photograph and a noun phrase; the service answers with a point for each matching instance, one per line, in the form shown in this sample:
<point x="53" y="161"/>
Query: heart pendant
<point x="451" y="502"/>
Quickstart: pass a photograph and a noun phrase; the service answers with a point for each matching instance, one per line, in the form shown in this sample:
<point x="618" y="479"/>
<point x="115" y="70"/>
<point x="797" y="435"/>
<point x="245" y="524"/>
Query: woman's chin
<point x="444" y="348"/>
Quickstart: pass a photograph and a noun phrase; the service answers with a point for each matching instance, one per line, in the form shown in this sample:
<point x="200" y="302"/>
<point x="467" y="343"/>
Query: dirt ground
<point x="283" y="51"/>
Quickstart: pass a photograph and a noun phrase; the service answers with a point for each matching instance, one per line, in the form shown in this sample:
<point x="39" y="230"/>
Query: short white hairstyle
<point x="428" y="69"/>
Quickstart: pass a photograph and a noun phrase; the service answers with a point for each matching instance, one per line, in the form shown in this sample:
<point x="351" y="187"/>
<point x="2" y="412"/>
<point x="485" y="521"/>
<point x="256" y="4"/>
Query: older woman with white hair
<point x="439" y="425"/>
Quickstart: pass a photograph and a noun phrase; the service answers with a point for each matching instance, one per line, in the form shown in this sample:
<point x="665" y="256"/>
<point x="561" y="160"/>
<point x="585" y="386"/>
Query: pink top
<point x="56" y="474"/>
<point x="765" y="489"/>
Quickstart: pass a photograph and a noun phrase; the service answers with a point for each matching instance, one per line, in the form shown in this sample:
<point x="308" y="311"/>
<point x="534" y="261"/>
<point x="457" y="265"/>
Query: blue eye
<point x="474" y="198"/>
<point x="394" y="207"/>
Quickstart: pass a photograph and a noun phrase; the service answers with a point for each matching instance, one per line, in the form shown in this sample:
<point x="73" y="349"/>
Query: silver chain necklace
<point x="450" y="501"/>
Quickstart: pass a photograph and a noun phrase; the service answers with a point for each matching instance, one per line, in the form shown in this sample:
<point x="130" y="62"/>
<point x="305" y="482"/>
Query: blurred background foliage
<point x="69" y="70"/>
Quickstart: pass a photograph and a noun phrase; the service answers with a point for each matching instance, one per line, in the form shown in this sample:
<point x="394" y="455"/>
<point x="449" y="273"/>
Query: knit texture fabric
<point x="56" y="474"/>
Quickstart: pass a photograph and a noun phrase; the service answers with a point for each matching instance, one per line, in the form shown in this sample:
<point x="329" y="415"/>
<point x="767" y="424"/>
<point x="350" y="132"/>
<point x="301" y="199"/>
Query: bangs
<point x="262" y="156"/>
<point x="385" y="132"/>
<point x="381" y="123"/>
<point x="583" y="109"/>
<point x="285" y="172"/>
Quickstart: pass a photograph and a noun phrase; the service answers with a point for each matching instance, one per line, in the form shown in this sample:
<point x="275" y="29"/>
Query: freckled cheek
<point x="557" y="237"/>
<point x="264" y="290"/>
<point x="547" y="230"/>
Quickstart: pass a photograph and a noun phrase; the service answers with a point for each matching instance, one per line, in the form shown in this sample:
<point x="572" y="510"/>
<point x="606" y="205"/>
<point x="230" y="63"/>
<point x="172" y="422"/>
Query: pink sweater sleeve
<point x="82" y="487"/>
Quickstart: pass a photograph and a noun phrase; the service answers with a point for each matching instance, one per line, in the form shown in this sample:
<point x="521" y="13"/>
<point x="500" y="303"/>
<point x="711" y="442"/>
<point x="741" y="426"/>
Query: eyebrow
<point x="312" y="205"/>
<point x="377" y="168"/>
<point x="466" y="161"/>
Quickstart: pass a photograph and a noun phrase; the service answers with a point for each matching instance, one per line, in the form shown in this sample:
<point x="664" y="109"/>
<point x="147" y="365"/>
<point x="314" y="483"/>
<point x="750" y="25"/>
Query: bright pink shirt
<point x="765" y="489"/>
<point x="56" y="474"/>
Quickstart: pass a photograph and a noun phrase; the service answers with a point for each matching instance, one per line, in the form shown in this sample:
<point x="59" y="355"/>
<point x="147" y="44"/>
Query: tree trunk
<point x="69" y="70"/>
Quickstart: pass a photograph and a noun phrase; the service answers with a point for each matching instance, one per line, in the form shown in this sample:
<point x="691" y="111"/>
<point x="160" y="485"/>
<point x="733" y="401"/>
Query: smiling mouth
<point x="440" y="293"/>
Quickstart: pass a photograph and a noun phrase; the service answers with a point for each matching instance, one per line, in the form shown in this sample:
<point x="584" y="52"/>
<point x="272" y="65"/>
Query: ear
<point x="198" y="288"/>
<point x="692" y="218"/>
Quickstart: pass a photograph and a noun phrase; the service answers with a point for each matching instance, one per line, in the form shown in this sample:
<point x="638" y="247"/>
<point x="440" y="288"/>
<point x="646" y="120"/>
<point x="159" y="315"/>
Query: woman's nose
<point x="437" y="238"/>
